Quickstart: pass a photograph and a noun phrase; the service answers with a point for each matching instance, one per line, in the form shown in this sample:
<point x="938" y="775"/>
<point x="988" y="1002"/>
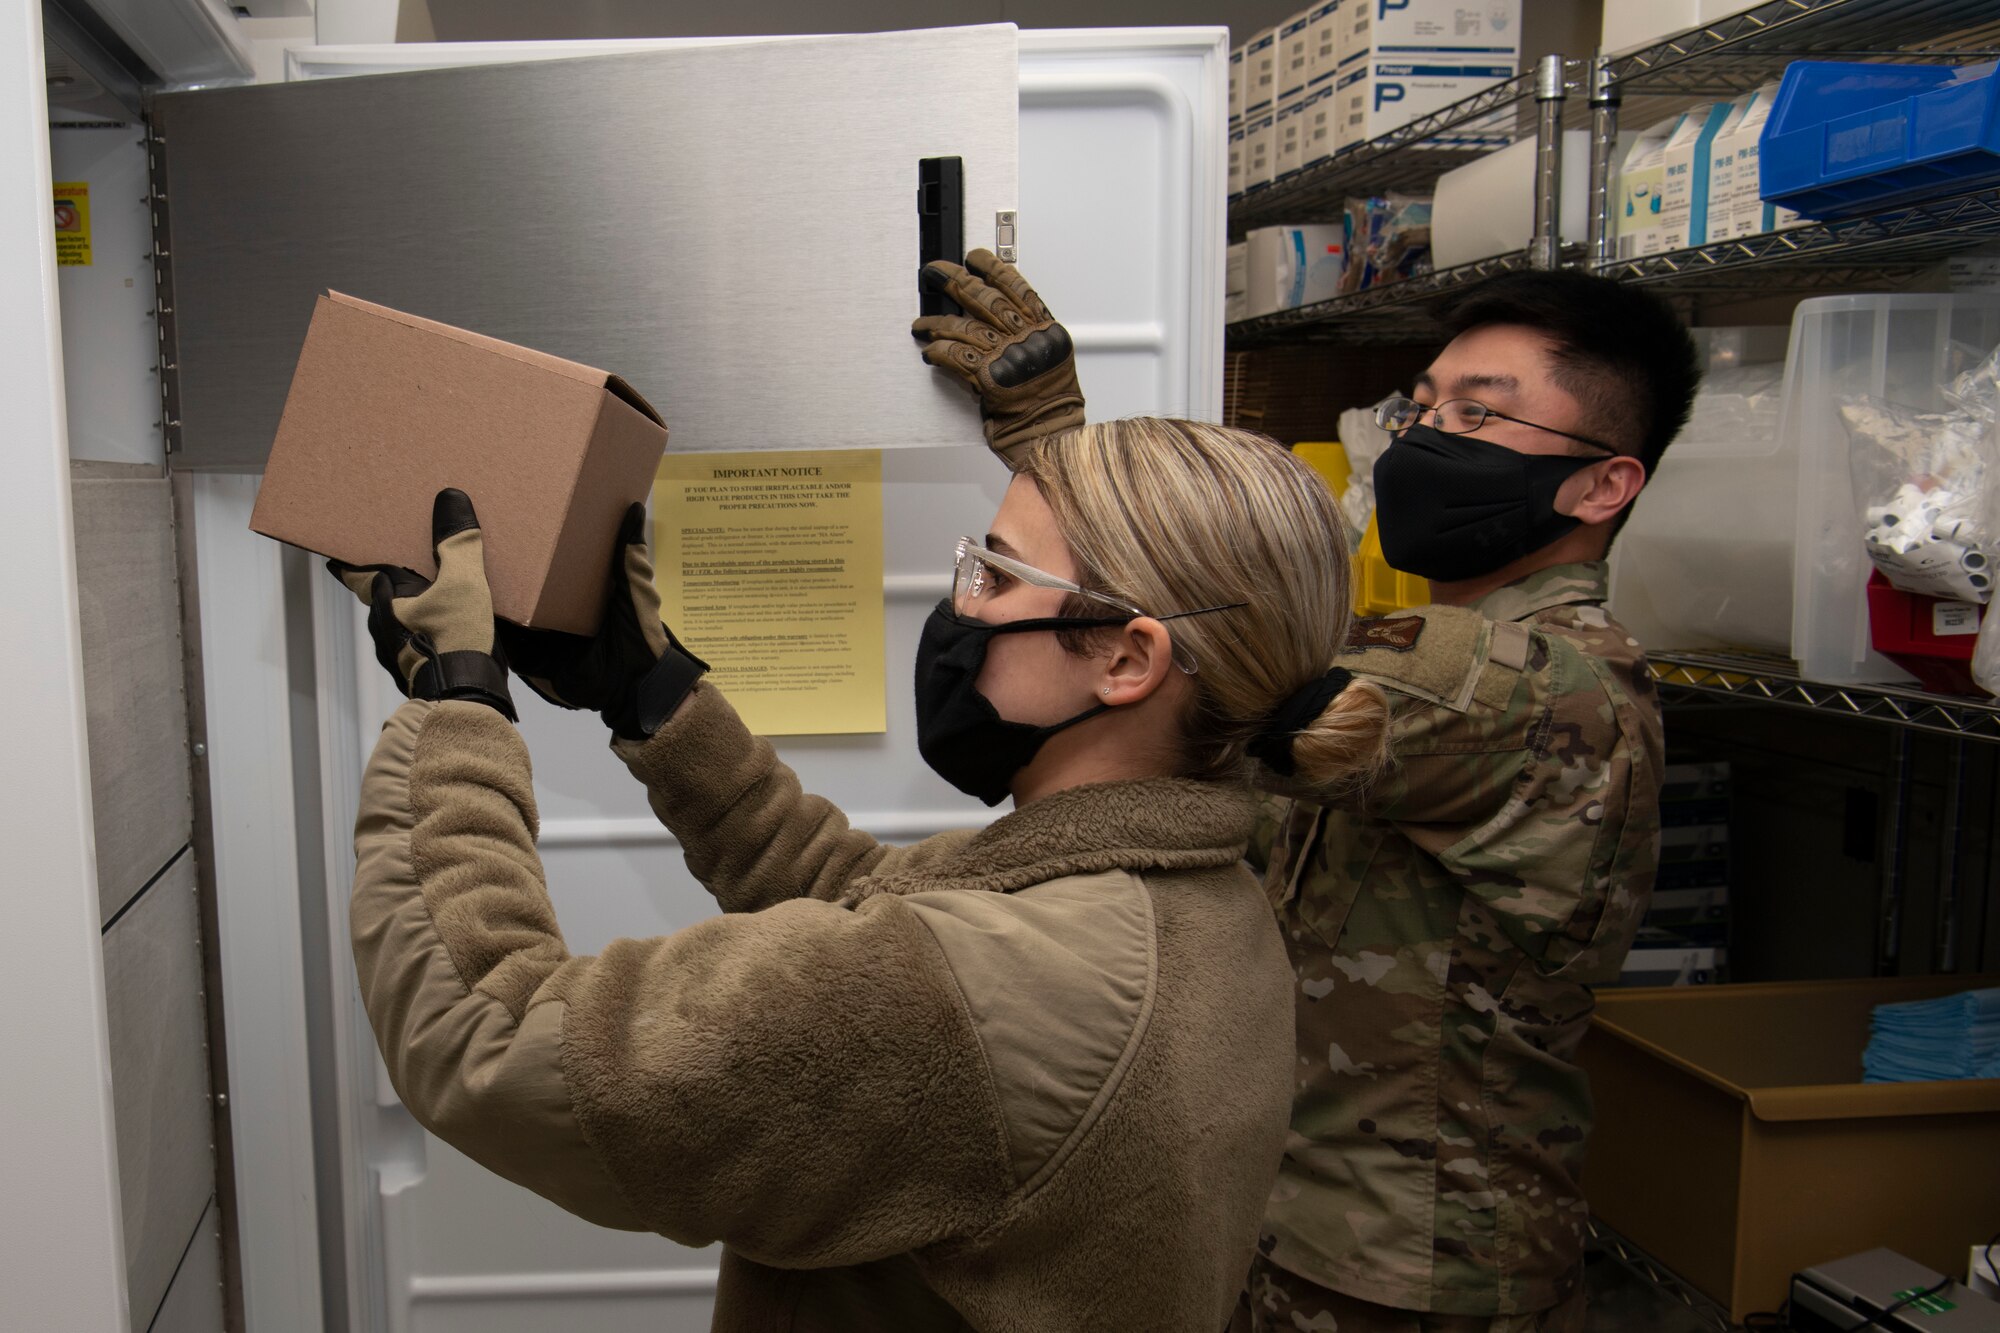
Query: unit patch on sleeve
<point x="1396" y="633"/>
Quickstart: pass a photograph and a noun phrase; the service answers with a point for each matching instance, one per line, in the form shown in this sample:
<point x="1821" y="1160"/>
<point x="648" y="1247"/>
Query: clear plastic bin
<point x="1706" y="559"/>
<point x="1899" y="347"/>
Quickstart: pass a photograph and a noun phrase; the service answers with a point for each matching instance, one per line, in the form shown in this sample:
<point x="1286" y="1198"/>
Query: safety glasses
<point x="978" y="575"/>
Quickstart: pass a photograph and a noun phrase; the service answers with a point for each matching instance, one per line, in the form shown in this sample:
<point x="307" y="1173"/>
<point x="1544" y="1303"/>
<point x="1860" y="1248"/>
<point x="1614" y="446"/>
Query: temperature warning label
<point x="72" y="223"/>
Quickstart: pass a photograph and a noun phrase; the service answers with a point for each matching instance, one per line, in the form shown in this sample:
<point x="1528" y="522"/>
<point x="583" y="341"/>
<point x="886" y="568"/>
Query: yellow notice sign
<point x="72" y="223"/>
<point x="770" y="569"/>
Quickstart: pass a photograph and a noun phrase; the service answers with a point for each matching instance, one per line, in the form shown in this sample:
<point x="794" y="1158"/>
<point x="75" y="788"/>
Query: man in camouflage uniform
<point x="1446" y="924"/>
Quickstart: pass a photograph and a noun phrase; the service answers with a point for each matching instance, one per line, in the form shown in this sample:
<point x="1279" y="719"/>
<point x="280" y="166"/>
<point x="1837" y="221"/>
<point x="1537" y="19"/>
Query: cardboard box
<point x="1404" y="27"/>
<point x="387" y="409"/>
<point x="1236" y="84"/>
<point x="1286" y="267"/>
<point x="1290" y="129"/>
<point x="1735" y="1141"/>
<point x="1381" y="95"/>
<point x="1684" y="176"/>
<point x="1323" y="41"/>
<point x="1641" y="176"/>
<point x="1260" y="151"/>
<point x="1749" y="214"/>
<point x="1322" y="124"/>
<point x="1236" y="137"/>
<point x="1260" y="74"/>
<point x="1294" y="54"/>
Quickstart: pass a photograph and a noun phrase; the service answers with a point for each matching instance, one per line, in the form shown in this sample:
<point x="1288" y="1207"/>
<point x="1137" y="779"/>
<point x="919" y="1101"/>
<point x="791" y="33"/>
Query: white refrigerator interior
<point x="1120" y="191"/>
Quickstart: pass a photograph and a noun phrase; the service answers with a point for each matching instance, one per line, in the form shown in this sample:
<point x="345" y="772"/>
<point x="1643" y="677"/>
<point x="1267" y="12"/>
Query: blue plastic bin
<point x="1847" y="138"/>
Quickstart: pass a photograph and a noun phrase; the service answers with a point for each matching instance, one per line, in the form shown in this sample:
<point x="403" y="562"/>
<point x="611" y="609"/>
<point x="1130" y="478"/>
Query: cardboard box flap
<point x="616" y="386"/>
<point x="1861" y="1101"/>
<point x="554" y="365"/>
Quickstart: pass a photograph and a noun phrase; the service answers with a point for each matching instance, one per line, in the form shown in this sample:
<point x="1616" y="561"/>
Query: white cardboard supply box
<point x="1286" y="267"/>
<point x="1294" y="54"/>
<point x="1322" y="123"/>
<point x="1260" y="74"/>
<point x="1749" y="215"/>
<point x="1401" y="61"/>
<point x="1235" y="156"/>
<point x="1641" y="175"/>
<point x="1378" y="96"/>
<point x="1260" y="143"/>
<point x="1290" y="129"/>
<point x="1385" y="28"/>
<point x="1323" y="40"/>
<point x="1684" y="176"/>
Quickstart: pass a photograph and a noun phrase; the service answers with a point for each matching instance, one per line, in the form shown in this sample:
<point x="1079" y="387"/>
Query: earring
<point x="1107" y="689"/>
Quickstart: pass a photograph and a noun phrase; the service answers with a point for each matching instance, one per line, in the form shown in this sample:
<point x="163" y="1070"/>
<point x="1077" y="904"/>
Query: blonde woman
<point x="1034" y="1076"/>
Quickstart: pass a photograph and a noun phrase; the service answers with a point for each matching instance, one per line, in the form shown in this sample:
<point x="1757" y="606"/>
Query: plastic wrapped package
<point x="1388" y="238"/>
<point x="1926" y="486"/>
<point x="1364" y="442"/>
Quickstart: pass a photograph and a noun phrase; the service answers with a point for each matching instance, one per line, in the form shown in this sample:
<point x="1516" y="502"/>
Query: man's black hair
<point x="1620" y="351"/>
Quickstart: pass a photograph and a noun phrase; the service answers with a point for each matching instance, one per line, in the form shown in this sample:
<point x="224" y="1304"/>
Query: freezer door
<point x="1121" y="228"/>
<point x="732" y="227"/>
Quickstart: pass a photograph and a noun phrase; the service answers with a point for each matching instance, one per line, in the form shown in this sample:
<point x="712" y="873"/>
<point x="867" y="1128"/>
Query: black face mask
<point x="1452" y="507"/>
<point x="959" y="732"/>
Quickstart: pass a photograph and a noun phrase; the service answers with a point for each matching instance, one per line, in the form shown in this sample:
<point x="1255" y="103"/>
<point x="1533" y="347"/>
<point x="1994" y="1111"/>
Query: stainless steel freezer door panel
<point x="732" y="228"/>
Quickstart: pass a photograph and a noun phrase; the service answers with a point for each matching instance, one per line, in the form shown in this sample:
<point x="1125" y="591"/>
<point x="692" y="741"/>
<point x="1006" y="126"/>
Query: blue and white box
<point x="1235" y="156"/>
<point x="1288" y="267"/>
<point x="1684" y="176"/>
<point x="1236" y="84"/>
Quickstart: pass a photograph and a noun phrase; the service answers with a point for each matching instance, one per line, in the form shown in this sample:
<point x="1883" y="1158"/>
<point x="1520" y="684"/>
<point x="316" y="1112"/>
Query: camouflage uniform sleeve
<point x="1508" y="790"/>
<point x="1270" y="818"/>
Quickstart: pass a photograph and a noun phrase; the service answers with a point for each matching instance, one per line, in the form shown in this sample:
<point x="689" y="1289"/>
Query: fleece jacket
<point x="1032" y="1077"/>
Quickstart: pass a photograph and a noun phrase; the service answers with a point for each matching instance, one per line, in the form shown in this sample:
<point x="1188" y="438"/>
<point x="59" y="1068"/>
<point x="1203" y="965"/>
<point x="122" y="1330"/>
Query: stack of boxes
<point x="1294" y="53"/>
<point x="1402" y="60"/>
<point x="1260" y="110"/>
<point x="1685" y="936"/>
<point x="1236" y="122"/>
<point x="1692" y="179"/>
<point x="1345" y="71"/>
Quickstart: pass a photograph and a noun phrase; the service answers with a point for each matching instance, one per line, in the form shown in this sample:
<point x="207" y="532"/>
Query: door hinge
<point x="164" y="322"/>
<point x="1004" y="226"/>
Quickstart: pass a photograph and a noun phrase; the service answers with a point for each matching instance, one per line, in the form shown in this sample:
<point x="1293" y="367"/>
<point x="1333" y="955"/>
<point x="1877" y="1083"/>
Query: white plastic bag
<point x="1927" y="485"/>
<point x="1986" y="654"/>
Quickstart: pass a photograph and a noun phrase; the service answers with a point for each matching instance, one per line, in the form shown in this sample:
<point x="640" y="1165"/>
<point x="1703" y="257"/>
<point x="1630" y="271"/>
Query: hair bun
<point x="1297" y="711"/>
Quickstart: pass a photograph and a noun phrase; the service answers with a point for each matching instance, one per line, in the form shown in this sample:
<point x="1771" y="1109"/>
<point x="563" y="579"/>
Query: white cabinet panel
<point x="159" y="1080"/>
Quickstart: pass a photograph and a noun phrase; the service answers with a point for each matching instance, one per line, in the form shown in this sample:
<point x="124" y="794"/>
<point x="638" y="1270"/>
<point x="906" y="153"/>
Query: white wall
<point x="62" y="1262"/>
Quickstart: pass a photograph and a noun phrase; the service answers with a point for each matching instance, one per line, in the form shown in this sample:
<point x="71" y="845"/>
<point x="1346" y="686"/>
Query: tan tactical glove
<point x="1007" y="347"/>
<point x="436" y="637"/>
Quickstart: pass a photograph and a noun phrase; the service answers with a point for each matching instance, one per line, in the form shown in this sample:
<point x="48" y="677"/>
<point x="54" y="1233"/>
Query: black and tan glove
<point x="1007" y="348"/>
<point x="632" y="672"/>
<point x="436" y="636"/>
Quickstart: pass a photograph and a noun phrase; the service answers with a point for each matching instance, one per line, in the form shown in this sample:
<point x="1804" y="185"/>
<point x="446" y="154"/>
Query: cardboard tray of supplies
<point x="1735" y="1141"/>
<point x="387" y="409"/>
